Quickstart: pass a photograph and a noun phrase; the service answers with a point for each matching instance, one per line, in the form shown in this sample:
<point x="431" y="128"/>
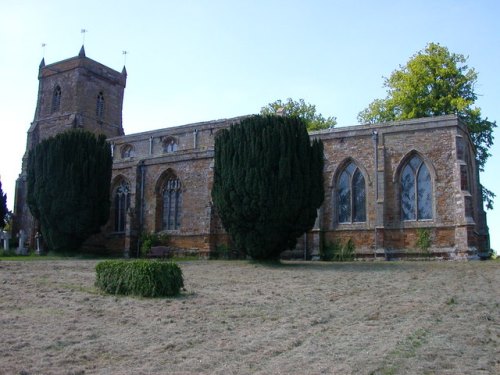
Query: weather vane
<point x="83" y="31"/>
<point x="43" y="50"/>
<point x="124" y="53"/>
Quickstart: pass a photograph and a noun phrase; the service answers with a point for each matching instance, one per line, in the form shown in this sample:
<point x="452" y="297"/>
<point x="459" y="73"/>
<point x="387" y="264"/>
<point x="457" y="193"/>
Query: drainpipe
<point x="195" y="138"/>
<point x="375" y="151"/>
<point x="141" y="203"/>
<point x="150" y="145"/>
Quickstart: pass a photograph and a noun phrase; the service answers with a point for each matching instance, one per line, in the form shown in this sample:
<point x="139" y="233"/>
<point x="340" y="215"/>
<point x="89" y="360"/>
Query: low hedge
<point x="144" y="278"/>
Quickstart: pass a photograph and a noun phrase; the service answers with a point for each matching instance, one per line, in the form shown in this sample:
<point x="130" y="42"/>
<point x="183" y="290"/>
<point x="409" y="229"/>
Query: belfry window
<point x="121" y="205"/>
<point x="99" y="110"/>
<point x="351" y="195"/>
<point x="56" y="99"/>
<point x="416" y="191"/>
<point x="172" y="202"/>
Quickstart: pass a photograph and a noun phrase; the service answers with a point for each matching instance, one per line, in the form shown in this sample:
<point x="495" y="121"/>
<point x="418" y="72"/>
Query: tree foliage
<point x="301" y="109"/>
<point x="3" y="207"/>
<point x="268" y="183"/>
<point x="435" y="82"/>
<point x="68" y="187"/>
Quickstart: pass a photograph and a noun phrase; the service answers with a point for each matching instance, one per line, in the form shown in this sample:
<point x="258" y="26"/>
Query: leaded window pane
<point x="408" y="193"/>
<point x="351" y="195"/>
<point x="359" y="197"/>
<point x="424" y="189"/>
<point x="172" y="203"/>
<point x="122" y="203"/>
<point x="344" y="198"/>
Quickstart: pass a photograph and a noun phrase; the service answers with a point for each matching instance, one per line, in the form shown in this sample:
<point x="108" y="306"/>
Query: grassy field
<point x="239" y="317"/>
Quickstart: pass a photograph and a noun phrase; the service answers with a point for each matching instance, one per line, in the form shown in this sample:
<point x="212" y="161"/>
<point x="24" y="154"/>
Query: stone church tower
<point x="76" y="93"/>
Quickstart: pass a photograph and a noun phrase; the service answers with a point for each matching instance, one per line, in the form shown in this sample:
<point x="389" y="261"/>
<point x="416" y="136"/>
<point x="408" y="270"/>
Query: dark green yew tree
<point x="3" y="207"/>
<point x="69" y="179"/>
<point x="268" y="183"/>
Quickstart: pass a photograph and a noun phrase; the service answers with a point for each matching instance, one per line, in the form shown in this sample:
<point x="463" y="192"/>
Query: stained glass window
<point x="416" y="191"/>
<point x="172" y="201"/>
<point x="351" y="195"/>
<point x="122" y="203"/>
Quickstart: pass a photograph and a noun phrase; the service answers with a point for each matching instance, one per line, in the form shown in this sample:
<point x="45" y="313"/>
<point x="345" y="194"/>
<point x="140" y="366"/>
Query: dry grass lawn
<point x="245" y="318"/>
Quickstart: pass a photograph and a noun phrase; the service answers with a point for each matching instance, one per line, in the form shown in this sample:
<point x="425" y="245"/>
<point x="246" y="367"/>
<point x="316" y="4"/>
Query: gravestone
<point x="21" y="249"/>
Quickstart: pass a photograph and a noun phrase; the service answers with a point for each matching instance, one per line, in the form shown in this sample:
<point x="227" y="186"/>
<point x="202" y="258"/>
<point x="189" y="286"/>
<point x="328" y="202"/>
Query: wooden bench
<point x="160" y="252"/>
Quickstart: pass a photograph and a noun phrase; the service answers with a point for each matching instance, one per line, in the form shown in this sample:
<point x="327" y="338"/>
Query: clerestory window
<point x="169" y="145"/>
<point x="351" y="195"/>
<point x="416" y="190"/>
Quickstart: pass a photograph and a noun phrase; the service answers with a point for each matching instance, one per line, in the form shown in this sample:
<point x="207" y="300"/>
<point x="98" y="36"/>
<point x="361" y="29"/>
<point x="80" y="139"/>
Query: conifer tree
<point x="68" y="187"/>
<point x="268" y="183"/>
<point x="3" y="207"/>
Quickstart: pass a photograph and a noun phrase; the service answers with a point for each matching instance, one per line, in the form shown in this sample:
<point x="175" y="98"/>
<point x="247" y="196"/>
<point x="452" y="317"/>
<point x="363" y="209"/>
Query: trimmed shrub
<point x="139" y="277"/>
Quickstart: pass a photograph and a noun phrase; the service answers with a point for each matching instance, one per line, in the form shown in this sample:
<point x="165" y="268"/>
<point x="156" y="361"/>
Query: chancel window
<point x="172" y="203"/>
<point x="169" y="145"/>
<point x="121" y="205"/>
<point x="416" y="191"/>
<point x="99" y="110"/>
<point x="56" y="99"/>
<point x="351" y="195"/>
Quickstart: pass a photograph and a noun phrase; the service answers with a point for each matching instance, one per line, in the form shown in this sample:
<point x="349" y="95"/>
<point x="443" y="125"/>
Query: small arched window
<point x="169" y="145"/>
<point x="56" y="99"/>
<point x="172" y="204"/>
<point x="351" y="195"/>
<point x="121" y="205"/>
<point x="416" y="190"/>
<point x="99" y="109"/>
<point x="127" y="151"/>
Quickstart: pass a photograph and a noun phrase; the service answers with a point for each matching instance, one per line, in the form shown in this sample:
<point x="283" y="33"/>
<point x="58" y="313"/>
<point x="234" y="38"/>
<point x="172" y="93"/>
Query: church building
<point x="385" y="184"/>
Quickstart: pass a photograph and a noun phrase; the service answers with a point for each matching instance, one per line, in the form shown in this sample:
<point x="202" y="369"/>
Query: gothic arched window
<point x="121" y="205"/>
<point x="99" y="109"/>
<point x="351" y="195"/>
<point x="56" y="99"/>
<point x="169" y="145"/>
<point x="172" y="202"/>
<point x="416" y="190"/>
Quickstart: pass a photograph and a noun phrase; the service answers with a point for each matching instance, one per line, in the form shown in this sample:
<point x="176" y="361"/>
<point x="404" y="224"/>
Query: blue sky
<point x="192" y="61"/>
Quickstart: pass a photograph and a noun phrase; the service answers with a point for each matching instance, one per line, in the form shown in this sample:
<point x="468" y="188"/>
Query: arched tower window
<point x="172" y="204"/>
<point x="416" y="190"/>
<point x="56" y="99"/>
<point x="99" y="109"/>
<point x="351" y="195"/>
<point x="121" y="205"/>
<point x="169" y="145"/>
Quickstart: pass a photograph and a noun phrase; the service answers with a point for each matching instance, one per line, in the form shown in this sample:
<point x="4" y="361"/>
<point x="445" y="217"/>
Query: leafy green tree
<point x="301" y="109"/>
<point x="3" y="207"/>
<point x="68" y="180"/>
<point x="268" y="183"/>
<point x="435" y="82"/>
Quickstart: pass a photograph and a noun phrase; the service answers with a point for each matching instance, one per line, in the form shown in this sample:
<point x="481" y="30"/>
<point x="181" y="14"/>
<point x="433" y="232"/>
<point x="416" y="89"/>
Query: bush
<point x="139" y="277"/>
<point x="148" y="240"/>
<point x="335" y="251"/>
<point x="424" y="240"/>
